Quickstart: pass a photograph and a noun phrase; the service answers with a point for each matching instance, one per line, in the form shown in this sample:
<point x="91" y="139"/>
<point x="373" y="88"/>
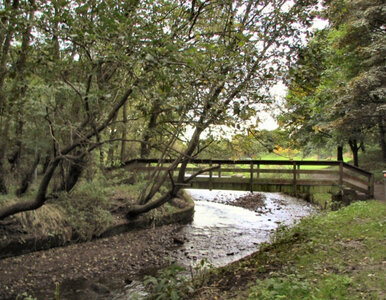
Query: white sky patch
<point x="319" y="24"/>
<point x="267" y="122"/>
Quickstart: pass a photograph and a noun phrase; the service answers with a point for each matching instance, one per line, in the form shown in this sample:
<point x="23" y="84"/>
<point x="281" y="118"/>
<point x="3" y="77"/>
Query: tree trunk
<point x="354" y="149"/>
<point x="3" y="147"/>
<point x="16" y="156"/>
<point x="73" y="175"/>
<point x="145" y="144"/>
<point x="124" y="133"/>
<point x="110" y="153"/>
<point x="28" y="177"/>
<point x="75" y="169"/>
<point x="46" y="162"/>
<point x="140" y="209"/>
<point x="3" y="186"/>
<point x="340" y="153"/>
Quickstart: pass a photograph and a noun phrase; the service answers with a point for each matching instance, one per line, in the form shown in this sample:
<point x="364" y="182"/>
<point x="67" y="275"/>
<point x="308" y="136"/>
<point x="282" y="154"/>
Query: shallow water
<point x="221" y="233"/>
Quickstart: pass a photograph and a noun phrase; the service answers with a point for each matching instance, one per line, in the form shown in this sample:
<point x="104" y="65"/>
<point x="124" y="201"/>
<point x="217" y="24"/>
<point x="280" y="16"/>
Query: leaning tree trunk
<point x="40" y="197"/>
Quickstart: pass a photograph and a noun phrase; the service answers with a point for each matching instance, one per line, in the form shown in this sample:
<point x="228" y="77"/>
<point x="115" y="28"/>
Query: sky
<point x="279" y="90"/>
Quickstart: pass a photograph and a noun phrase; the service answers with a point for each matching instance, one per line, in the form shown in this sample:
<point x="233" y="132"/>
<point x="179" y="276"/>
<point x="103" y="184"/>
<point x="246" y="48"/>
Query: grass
<point x="83" y="213"/>
<point x="86" y="212"/>
<point x="335" y="255"/>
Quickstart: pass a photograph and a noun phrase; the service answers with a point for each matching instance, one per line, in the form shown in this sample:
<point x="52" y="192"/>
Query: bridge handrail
<point x="344" y="177"/>
<point x="235" y="162"/>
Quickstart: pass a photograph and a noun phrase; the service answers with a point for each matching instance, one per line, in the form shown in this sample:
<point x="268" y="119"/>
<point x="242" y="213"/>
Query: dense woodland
<point x="85" y="85"/>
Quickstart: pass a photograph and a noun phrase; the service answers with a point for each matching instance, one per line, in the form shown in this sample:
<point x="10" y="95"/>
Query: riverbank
<point x="87" y="270"/>
<point x="90" y="212"/>
<point x="335" y="255"/>
<point x="91" y="269"/>
<point x="220" y="232"/>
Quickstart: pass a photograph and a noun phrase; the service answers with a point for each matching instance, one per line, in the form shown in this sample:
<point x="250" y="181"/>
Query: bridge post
<point x="371" y="186"/>
<point x="340" y="176"/>
<point x="210" y="176"/>
<point x="384" y="185"/>
<point x="294" y="179"/>
<point x="251" y="177"/>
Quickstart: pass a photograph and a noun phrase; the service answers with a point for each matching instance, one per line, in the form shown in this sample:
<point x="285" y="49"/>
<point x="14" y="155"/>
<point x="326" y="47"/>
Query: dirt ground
<point x="252" y="201"/>
<point x="120" y="257"/>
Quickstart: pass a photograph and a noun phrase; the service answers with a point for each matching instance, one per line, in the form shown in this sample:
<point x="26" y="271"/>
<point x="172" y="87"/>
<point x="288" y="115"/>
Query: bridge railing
<point x="256" y="173"/>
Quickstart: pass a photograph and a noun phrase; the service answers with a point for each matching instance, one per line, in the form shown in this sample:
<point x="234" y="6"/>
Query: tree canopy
<point x="337" y="86"/>
<point x="129" y="77"/>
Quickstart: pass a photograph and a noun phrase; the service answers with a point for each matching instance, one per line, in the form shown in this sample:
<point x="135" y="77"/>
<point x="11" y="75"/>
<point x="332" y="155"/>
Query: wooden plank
<point x="356" y="169"/>
<point x="355" y="187"/>
<point x="268" y="180"/>
<point x="360" y="180"/>
<point x="251" y="177"/>
<point x="149" y="168"/>
<point x="294" y="179"/>
<point x="321" y="171"/>
<point x="235" y="162"/>
<point x="317" y="182"/>
<point x="267" y="171"/>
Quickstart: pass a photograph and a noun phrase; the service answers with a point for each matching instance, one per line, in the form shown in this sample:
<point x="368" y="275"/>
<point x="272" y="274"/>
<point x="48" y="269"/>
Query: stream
<point x="222" y="233"/>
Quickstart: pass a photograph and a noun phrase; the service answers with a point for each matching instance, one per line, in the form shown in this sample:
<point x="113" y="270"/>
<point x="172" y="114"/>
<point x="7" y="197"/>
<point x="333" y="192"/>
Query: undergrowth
<point x="87" y="210"/>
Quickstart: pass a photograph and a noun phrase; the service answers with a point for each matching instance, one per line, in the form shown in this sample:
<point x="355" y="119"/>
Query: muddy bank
<point x="121" y="257"/>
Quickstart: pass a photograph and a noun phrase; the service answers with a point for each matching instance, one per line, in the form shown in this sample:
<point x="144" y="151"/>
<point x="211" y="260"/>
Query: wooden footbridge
<point x="291" y="176"/>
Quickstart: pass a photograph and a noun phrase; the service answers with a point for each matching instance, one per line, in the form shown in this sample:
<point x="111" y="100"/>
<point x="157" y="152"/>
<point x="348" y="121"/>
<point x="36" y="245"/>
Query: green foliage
<point x="173" y="283"/>
<point x="57" y="291"/>
<point x="336" y="89"/>
<point x="164" y="286"/>
<point x="87" y="209"/>
<point x="167" y="66"/>
<point x="25" y="296"/>
<point x="293" y="287"/>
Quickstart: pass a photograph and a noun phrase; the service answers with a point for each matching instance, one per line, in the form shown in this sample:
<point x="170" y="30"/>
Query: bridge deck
<point x="268" y="175"/>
